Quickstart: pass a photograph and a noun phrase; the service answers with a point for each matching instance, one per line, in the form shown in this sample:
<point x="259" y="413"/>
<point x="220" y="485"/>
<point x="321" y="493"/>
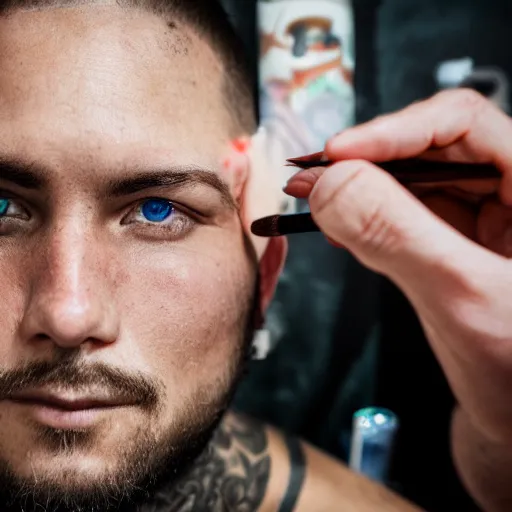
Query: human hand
<point x="446" y="246"/>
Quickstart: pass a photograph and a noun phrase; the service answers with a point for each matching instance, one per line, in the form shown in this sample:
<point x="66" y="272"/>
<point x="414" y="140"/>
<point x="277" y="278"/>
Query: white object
<point x="452" y="72"/>
<point x="261" y="344"/>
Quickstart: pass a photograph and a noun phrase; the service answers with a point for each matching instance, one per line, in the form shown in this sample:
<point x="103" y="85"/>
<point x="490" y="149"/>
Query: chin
<point x="40" y="451"/>
<point x="66" y="482"/>
<point x="73" y="470"/>
<point x="69" y="473"/>
<point x="58" y="470"/>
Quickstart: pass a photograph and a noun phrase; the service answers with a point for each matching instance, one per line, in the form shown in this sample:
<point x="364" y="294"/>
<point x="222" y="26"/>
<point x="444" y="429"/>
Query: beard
<point x="149" y="463"/>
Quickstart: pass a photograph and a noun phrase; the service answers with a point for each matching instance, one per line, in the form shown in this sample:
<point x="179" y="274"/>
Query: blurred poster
<point x="306" y="72"/>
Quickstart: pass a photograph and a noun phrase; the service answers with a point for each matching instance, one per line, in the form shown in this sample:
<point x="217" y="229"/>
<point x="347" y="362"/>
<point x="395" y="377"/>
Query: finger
<point x="494" y="228"/>
<point x="390" y="231"/>
<point x="301" y="184"/>
<point x="462" y="120"/>
<point x="453" y="192"/>
<point x="454" y="153"/>
<point x="470" y="188"/>
<point x="457" y="212"/>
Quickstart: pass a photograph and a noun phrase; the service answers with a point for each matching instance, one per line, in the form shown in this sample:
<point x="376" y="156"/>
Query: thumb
<point x="361" y="207"/>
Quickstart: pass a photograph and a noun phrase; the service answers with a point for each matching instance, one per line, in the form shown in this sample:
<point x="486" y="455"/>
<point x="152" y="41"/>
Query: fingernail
<point x="298" y="189"/>
<point x="302" y="175"/>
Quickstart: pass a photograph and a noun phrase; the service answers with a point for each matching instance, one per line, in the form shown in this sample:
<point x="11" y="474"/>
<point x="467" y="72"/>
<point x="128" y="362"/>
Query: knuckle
<point x="464" y="99"/>
<point x="337" y="184"/>
<point x="378" y="234"/>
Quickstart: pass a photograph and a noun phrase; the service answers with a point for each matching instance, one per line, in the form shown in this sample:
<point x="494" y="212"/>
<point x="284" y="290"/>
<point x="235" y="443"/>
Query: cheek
<point x="186" y="310"/>
<point x="12" y="303"/>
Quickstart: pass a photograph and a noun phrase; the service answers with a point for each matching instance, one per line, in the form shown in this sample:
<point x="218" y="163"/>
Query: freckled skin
<point x="88" y="93"/>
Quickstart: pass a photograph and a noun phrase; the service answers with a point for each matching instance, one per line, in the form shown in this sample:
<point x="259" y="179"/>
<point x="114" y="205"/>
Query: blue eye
<point x="158" y="219"/>
<point x="4" y="206"/>
<point x="156" y="210"/>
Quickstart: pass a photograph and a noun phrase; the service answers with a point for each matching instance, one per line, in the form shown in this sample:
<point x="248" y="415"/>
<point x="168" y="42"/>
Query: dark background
<point x="350" y="337"/>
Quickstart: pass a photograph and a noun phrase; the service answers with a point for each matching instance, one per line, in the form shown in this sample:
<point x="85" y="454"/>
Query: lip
<point x="67" y="411"/>
<point x="69" y="401"/>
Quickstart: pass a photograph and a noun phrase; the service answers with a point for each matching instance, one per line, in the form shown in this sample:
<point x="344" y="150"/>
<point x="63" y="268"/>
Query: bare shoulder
<point x="251" y="467"/>
<point x="278" y="479"/>
<point x="327" y="484"/>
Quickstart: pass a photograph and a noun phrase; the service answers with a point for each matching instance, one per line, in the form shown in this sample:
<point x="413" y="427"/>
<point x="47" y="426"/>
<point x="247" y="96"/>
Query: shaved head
<point x="207" y="19"/>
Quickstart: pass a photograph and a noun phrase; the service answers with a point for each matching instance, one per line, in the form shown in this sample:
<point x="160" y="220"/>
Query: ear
<point x="257" y="188"/>
<point x="271" y="266"/>
<point x="261" y="193"/>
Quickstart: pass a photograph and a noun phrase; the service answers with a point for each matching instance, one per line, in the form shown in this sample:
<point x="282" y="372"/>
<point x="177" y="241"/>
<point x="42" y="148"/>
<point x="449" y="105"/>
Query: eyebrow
<point x="23" y="174"/>
<point x="176" y="177"/>
<point x="35" y="177"/>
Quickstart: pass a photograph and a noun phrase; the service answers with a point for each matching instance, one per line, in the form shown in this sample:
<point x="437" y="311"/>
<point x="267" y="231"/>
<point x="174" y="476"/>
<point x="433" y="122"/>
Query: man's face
<point x="126" y="281"/>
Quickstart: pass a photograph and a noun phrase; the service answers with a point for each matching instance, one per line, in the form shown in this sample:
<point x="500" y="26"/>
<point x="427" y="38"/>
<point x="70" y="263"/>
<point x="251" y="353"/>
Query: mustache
<point x="72" y="373"/>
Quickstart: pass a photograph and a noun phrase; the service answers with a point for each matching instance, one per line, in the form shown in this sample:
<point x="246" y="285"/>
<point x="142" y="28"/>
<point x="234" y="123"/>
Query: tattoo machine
<point x="373" y="437"/>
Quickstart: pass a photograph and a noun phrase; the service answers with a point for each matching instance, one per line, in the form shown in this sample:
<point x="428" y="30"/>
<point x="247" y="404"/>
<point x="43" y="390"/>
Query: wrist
<point x="484" y="464"/>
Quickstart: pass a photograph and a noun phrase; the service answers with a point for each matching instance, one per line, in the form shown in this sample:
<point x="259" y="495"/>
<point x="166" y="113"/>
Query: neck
<point x="232" y="474"/>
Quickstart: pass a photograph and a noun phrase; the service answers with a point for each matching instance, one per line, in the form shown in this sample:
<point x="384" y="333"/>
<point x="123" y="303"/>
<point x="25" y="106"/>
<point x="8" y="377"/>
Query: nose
<point x="70" y="300"/>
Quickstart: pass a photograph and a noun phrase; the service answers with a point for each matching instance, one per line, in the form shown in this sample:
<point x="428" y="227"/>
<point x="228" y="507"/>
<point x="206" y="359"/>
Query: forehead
<point x="108" y="83"/>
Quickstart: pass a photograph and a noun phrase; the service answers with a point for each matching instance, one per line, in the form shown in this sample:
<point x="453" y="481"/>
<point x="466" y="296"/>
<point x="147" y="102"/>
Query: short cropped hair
<point x="210" y="22"/>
